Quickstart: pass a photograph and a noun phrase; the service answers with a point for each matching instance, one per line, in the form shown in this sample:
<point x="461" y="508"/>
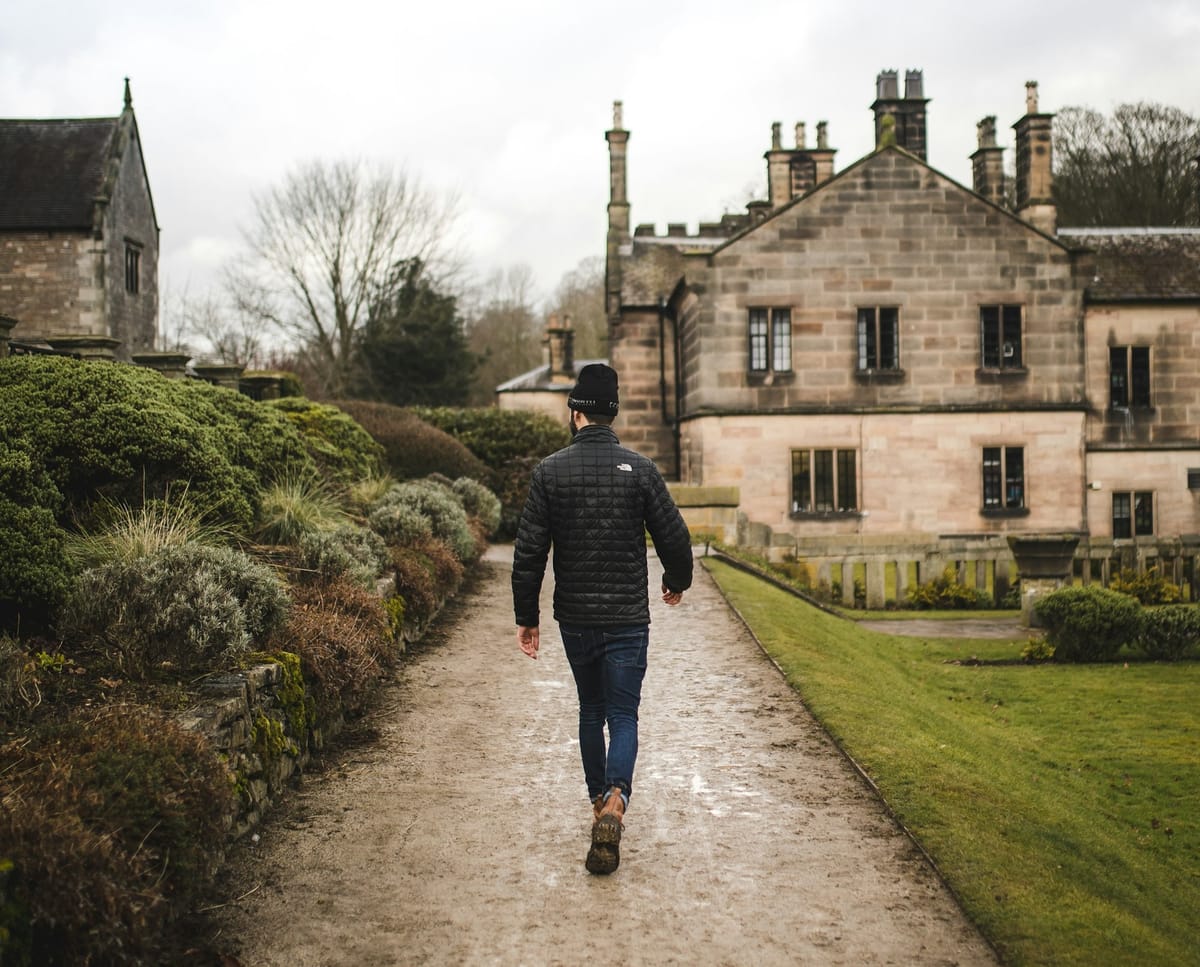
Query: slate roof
<point x="1141" y="264"/>
<point x="52" y="171"/>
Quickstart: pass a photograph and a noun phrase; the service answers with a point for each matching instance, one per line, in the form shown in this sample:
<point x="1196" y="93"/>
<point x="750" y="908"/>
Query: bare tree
<point x="580" y="295"/>
<point x="503" y="330"/>
<point x="1137" y="167"/>
<point x="323" y="247"/>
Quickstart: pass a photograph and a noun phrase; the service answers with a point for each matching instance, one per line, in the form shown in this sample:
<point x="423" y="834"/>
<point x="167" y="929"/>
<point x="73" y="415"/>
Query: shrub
<point x="342" y="449"/>
<point x="342" y="634"/>
<point x="350" y="551"/>
<point x="1089" y="623"/>
<point x="193" y="607"/>
<point x="510" y="442"/>
<point x="413" y="448"/>
<point x="295" y="505"/>
<point x="127" y="433"/>
<point x="1149" y="587"/>
<point x="426" y="571"/>
<point x="111" y="821"/>
<point x="479" y="502"/>
<point x="33" y="568"/>
<point x="399" y="524"/>
<point x="435" y="502"/>
<point x="1169" y="633"/>
<point x="945" y="592"/>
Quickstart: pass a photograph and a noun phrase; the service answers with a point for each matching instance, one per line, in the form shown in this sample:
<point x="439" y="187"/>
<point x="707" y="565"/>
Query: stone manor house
<point x="78" y="236"/>
<point x="884" y="372"/>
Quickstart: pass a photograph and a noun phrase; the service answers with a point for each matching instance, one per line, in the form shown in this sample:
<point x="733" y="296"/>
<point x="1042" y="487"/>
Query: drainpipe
<point x="668" y="419"/>
<point x="662" y="360"/>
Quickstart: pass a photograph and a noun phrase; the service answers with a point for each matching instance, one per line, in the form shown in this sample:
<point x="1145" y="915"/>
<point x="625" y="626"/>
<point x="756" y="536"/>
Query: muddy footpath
<point x="454" y="831"/>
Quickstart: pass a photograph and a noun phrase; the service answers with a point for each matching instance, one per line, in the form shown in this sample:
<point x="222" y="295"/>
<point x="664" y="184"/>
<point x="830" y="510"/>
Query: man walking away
<point x="593" y="501"/>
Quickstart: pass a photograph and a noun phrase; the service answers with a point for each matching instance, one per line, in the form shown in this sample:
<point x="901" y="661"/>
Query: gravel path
<point x="457" y="835"/>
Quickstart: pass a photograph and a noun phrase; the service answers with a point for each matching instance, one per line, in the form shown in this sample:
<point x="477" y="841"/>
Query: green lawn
<point x="1062" y="803"/>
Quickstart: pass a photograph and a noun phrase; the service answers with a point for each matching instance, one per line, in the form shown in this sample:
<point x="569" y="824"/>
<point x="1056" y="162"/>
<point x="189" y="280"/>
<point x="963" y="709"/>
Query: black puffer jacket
<point x="594" y="501"/>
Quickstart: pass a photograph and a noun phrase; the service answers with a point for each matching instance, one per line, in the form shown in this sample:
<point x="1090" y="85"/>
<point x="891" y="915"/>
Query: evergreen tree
<point x="413" y="350"/>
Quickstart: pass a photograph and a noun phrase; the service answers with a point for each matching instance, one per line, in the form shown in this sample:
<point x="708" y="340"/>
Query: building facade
<point x="892" y="373"/>
<point x="79" y="238"/>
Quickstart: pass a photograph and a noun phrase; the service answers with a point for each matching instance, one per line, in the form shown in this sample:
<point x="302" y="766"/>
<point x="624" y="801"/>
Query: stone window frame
<point x="1129" y="384"/>
<point x="835" y="485"/>
<point x="998" y="474"/>
<point x="997" y="354"/>
<point x="1137" y="516"/>
<point x="769" y="339"/>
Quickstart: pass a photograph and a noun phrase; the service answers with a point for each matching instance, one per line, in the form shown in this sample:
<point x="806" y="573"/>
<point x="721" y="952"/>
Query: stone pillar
<point x="220" y="374"/>
<point x="848" y="584"/>
<point x="876" y="583"/>
<point x="981" y="567"/>
<point x="7" y="323"/>
<point x="1043" y="565"/>
<point x="618" y="214"/>
<point x="170" y="365"/>
<point x="85" y="347"/>
<point x="260" y="386"/>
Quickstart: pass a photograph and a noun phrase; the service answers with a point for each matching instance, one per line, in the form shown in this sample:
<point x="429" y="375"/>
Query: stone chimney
<point x="1035" y="201"/>
<point x="560" y="349"/>
<point x="618" y="213"/>
<point x="792" y="172"/>
<point x="987" y="163"/>
<point x="908" y="111"/>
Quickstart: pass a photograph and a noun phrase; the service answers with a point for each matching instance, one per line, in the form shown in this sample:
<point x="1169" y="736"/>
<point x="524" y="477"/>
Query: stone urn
<point x="1043" y="565"/>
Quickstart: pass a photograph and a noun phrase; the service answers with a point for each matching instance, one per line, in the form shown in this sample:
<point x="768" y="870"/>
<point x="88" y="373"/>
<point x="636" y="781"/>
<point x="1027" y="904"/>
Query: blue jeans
<point x="609" y="665"/>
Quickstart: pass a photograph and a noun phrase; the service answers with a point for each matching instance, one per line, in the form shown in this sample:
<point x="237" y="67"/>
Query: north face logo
<point x="626" y="467"/>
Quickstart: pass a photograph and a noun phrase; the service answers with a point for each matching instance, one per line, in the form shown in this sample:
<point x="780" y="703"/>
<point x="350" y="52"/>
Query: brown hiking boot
<point x="597" y="806"/>
<point x="605" y="854"/>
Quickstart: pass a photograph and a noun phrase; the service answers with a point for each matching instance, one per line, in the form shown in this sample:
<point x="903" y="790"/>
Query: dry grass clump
<point x="427" y="571"/>
<point x="112" y="822"/>
<point x="342" y="634"/>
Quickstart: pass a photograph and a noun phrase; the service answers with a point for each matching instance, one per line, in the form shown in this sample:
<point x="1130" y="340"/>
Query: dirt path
<point x="458" y="835"/>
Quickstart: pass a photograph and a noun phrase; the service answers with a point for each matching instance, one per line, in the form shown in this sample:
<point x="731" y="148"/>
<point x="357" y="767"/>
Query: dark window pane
<point x="1010" y="350"/>
<point x="991" y="476"/>
<point x="781" y="340"/>
<point x="1139" y="376"/>
<point x="1120" y="517"/>
<point x="801" y="483"/>
<point x="989" y="326"/>
<point x="847" y="487"/>
<point x="823" y="480"/>
<point x="889" y="339"/>
<point x="1143" y="513"/>
<point x="1118" y="378"/>
<point x="758" y="340"/>
<point x="866" y="338"/>
<point x="1014" y="477"/>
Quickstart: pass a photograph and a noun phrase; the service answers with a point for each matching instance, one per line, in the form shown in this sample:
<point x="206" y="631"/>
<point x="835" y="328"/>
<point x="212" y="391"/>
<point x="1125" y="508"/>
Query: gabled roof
<point x="52" y="172"/>
<point x="1141" y="264"/>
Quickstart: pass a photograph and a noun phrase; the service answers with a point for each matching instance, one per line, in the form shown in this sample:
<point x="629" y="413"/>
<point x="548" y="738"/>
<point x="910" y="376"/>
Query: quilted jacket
<point x="593" y="501"/>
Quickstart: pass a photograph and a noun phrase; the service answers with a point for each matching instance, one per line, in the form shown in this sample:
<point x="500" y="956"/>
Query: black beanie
<point x="596" y="390"/>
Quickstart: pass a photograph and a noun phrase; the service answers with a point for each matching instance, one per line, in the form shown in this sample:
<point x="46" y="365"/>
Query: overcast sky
<point x="506" y="103"/>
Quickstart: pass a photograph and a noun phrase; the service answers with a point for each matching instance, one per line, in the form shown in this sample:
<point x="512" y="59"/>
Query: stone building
<point x="544" y="389"/>
<point x="884" y="372"/>
<point x="78" y="234"/>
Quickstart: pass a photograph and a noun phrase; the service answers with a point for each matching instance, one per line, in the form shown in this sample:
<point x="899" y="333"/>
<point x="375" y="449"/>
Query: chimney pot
<point x="776" y="140"/>
<point x="1031" y="97"/>
<point x="822" y="135"/>
<point x="986" y="130"/>
<point x="616" y="115"/>
<point x="886" y="85"/>
<point x="801" y="136"/>
<point x="914" y="85"/>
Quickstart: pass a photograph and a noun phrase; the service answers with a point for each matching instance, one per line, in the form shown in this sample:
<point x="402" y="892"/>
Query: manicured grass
<point x="973" y="614"/>
<point x="1061" y="802"/>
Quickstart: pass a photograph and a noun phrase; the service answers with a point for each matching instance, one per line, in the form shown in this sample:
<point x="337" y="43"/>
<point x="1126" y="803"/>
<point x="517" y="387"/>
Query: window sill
<point x="1004" y="511"/>
<point x="771" y="377"/>
<point x="1114" y="410"/>
<point x="826" y="515"/>
<point x="879" y="375"/>
<point x="1001" y="375"/>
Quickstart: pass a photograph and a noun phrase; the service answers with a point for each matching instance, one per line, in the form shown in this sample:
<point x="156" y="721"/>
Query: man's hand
<point x="528" y="640"/>
<point x="671" y="597"/>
